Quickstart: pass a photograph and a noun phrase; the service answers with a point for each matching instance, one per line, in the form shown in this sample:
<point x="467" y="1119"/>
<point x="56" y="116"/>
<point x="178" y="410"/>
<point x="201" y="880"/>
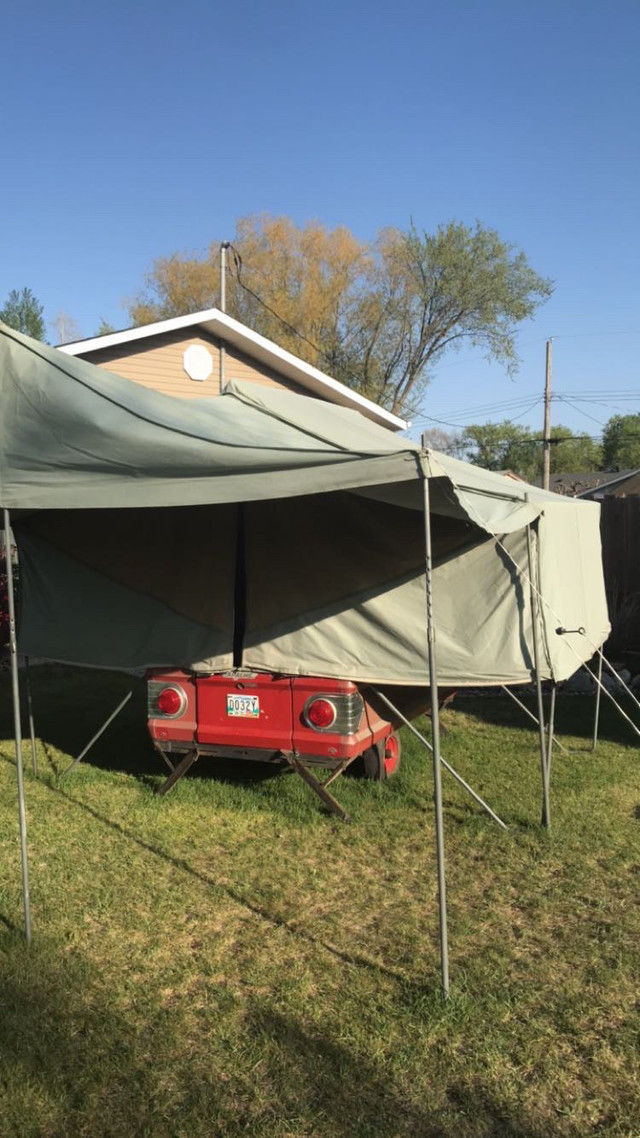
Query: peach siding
<point x="158" y="363"/>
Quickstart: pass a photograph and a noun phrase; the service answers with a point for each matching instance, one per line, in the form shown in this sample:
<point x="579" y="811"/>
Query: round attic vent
<point x="197" y="362"/>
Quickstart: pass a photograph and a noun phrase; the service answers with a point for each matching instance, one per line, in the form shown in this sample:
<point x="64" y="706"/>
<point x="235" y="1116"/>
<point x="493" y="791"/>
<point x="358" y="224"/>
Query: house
<point x="615" y="485"/>
<point x="197" y="355"/>
<point x="596" y="485"/>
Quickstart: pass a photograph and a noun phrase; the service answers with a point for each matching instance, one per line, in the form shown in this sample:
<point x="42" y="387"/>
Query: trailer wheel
<point x="382" y="760"/>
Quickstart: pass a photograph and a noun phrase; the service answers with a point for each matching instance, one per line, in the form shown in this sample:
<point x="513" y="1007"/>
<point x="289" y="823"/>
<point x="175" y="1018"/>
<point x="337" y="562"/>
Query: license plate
<point x="246" y="706"/>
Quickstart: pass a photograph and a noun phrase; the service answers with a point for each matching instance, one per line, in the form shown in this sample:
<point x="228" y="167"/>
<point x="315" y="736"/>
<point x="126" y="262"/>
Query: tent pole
<point x="435" y="735"/>
<point x="546" y="816"/>
<point x="99" y="732"/>
<point x="524" y="708"/>
<point x="447" y="766"/>
<point x="552" y="716"/>
<point x="596" y="718"/>
<point x="17" y="727"/>
<point x="32" y="727"/>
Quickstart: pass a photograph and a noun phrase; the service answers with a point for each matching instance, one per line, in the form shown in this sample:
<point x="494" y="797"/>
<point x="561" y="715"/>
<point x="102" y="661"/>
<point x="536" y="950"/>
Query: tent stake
<point x="32" y="727"/>
<point x="17" y="726"/>
<point x="546" y="816"/>
<point x="524" y="708"/>
<point x="596" y="718"/>
<point x="435" y="735"/>
<point x="447" y="766"/>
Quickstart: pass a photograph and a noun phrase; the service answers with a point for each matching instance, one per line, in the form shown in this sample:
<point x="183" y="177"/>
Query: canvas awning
<point x="154" y="530"/>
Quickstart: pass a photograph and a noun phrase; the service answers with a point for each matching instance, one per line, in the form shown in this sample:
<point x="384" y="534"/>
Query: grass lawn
<point x="230" y="960"/>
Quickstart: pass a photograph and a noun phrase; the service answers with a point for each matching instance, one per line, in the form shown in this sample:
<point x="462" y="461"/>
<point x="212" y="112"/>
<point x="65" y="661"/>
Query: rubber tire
<point x="373" y="759"/>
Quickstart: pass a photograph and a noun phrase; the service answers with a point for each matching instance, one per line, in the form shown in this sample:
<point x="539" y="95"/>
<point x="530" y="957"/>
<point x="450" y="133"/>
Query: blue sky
<point x="133" y="130"/>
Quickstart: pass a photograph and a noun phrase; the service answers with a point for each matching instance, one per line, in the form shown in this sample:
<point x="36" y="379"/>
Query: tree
<point x="379" y="317"/>
<point x="65" y="328"/>
<point x="104" y="327"/>
<point x="621" y="442"/>
<point x="502" y="446"/>
<point x="447" y="442"/>
<point x="438" y="291"/>
<point x="509" y="446"/>
<point x="573" y="453"/>
<point x="24" y="312"/>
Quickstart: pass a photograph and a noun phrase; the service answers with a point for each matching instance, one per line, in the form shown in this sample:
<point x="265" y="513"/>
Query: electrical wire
<point x="495" y="408"/>
<point x="488" y="408"/>
<point x="238" y="265"/>
<point x="586" y="414"/>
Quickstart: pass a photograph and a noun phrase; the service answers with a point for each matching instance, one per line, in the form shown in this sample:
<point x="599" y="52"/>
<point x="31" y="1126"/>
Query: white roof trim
<point x="226" y="328"/>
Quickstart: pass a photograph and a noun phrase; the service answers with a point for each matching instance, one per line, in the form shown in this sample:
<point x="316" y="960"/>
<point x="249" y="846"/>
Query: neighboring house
<point x="196" y="355"/>
<point x="615" y="486"/>
<point x="592" y="484"/>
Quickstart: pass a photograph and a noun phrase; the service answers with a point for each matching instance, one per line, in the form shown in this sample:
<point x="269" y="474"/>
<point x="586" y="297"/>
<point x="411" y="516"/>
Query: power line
<point x="488" y="408"/>
<point x="238" y="264"/>
<point x="495" y="408"/>
<point x="536" y="402"/>
<point x="581" y="412"/>
<point x="507" y="405"/>
<point x="588" y="335"/>
<point x="322" y="354"/>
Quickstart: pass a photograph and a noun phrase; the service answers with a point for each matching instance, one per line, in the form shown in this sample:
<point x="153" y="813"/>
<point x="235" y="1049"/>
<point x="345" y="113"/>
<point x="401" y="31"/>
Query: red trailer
<point x="298" y="721"/>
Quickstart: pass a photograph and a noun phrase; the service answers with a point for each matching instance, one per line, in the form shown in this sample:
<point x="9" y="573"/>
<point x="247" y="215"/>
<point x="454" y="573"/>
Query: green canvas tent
<point x="276" y="532"/>
<point x="137" y="514"/>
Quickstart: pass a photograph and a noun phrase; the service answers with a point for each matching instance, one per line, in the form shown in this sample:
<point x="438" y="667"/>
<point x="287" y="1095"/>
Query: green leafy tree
<point x="105" y="328"/>
<point x="573" y="453"/>
<point x="501" y="446"/>
<point x="378" y="316"/>
<point x="621" y="442"/>
<point x="24" y="312"/>
<point x="436" y="292"/>
<point x="509" y="446"/>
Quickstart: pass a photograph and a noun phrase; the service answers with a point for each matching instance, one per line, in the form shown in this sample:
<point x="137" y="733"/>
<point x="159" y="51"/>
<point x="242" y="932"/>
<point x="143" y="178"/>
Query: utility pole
<point x="546" y="438"/>
<point x="223" y="305"/>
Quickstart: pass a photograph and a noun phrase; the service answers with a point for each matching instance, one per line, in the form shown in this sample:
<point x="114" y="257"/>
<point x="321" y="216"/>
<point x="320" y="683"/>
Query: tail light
<point x="336" y="712"/>
<point x="166" y="700"/>
<point x="321" y="713"/>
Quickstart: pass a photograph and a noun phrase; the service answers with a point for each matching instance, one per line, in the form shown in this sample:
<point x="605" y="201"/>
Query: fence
<point x="620" y="530"/>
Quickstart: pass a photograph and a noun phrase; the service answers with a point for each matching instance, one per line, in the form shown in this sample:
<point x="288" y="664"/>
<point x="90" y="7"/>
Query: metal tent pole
<point x="99" y="732"/>
<point x="447" y="766"/>
<point x="546" y="815"/>
<point x="596" y="718"/>
<point x="17" y="727"/>
<point x="32" y="726"/>
<point x="552" y="716"/>
<point x="524" y="708"/>
<point x="435" y="735"/>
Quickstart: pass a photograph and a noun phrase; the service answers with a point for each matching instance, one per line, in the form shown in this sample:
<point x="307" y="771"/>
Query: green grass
<point x="230" y="960"/>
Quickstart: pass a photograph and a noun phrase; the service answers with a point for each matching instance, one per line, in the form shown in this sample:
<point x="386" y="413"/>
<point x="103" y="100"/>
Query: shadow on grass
<point x="350" y="1094"/>
<point x="70" y="706"/>
<point x="257" y="910"/>
<point x="73" y="1063"/>
<point x="61" y="1047"/>
<point x="574" y="716"/>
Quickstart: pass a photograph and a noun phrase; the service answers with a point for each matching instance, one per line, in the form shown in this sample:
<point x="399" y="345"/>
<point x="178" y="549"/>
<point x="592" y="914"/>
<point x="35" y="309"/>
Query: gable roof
<point x="224" y="327"/>
<point x="602" y="488"/>
<point x="581" y="484"/>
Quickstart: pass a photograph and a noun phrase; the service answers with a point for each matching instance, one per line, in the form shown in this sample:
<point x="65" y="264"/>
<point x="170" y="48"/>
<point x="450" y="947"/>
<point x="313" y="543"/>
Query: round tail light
<point x="321" y="713"/>
<point x="171" y="701"/>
